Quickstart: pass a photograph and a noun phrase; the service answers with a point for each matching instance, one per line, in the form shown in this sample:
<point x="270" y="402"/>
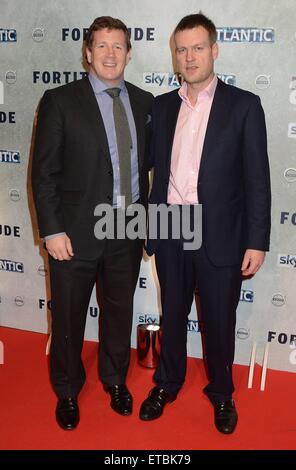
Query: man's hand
<point x="60" y="247"/>
<point x="252" y="261"/>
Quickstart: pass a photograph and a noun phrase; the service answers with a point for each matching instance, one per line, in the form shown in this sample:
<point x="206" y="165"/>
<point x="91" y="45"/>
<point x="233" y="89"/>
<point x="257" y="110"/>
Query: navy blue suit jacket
<point x="234" y="182"/>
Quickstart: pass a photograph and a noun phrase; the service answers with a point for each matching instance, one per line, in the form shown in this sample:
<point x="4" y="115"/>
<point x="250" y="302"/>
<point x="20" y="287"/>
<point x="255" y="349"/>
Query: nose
<point x="110" y="51"/>
<point x="189" y="56"/>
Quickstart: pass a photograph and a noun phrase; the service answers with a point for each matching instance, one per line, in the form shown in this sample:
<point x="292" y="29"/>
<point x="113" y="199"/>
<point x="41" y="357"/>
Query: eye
<point x="180" y="50"/>
<point x="198" y="48"/>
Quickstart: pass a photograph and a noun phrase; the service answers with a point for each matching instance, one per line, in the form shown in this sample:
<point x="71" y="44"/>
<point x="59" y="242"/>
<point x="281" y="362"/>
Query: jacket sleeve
<point x="47" y="166"/>
<point x="256" y="178"/>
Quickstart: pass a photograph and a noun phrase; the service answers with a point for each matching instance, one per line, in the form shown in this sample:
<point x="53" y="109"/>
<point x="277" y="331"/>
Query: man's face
<point x="195" y="55"/>
<point x="108" y="55"/>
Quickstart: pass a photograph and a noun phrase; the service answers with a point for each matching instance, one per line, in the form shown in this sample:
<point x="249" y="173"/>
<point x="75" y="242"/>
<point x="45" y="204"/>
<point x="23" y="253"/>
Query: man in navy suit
<point x="209" y="147"/>
<point x="77" y="166"/>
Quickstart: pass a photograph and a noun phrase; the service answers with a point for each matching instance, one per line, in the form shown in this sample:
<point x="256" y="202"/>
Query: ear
<point x="215" y="51"/>
<point x="128" y="56"/>
<point x="88" y="55"/>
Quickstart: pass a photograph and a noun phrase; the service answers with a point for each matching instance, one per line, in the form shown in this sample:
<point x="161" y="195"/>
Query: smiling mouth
<point x="109" y="65"/>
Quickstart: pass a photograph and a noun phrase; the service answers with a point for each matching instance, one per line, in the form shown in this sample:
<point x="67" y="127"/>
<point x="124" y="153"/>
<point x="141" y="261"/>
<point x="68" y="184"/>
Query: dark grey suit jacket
<point x="72" y="169"/>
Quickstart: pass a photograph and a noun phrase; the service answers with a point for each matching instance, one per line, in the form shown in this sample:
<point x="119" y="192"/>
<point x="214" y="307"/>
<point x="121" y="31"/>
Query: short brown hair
<point x="195" y="20"/>
<point x="108" y="22"/>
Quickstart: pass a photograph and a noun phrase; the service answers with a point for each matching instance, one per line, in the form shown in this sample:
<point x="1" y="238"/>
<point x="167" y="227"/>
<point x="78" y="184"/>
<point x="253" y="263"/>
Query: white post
<point x="47" y="350"/>
<point x="252" y="364"/>
<point x="264" y="367"/>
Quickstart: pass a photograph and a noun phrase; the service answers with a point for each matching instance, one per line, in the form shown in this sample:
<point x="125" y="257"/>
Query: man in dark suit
<point x="209" y="147"/>
<point x="79" y="164"/>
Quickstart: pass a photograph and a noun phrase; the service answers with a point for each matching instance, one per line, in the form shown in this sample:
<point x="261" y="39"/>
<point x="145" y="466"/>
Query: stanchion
<point x="264" y="366"/>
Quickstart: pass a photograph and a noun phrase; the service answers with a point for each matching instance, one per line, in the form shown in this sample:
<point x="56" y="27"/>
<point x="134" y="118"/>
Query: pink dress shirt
<point x="188" y="144"/>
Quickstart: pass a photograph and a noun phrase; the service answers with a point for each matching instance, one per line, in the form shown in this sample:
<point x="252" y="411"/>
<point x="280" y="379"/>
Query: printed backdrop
<point x="41" y="48"/>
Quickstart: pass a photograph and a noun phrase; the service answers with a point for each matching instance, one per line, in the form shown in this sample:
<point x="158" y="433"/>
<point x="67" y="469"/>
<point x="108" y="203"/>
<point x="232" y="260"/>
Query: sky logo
<point x="150" y="319"/>
<point x="155" y="79"/>
<point x="287" y="261"/>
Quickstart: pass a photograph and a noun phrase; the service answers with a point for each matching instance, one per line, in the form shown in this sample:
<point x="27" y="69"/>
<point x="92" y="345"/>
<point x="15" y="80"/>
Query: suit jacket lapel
<point x="216" y="124"/>
<point x="89" y="106"/>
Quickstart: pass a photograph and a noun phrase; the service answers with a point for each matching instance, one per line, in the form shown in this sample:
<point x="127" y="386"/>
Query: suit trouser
<point x="72" y="282"/>
<point x="180" y="272"/>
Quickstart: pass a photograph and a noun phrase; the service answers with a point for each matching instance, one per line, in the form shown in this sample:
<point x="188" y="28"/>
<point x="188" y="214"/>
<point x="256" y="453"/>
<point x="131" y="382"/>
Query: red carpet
<point x="267" y="420"/>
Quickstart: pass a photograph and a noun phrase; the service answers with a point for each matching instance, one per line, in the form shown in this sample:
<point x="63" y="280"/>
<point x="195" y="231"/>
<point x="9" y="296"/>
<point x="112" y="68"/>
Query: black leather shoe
<point x="121" y="399"/>
<point x="152" y="407"/>
<point x="67" y="413"/>
<point x="225" y="416"/>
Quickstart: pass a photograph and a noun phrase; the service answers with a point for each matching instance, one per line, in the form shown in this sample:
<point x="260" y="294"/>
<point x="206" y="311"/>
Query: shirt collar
<point x="99" y="86"/>
<point x="207" y="93"/>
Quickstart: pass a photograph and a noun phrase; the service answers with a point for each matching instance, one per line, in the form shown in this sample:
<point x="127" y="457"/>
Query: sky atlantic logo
<point x="9" y="156"/>
<point x="193" y="326"/>
<point x="245" y="34"/>
<point x="56" y="77"/>
<point x="8" y="35"/>
<point x="11" y="266"/>
<point x="175" y="80"/>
